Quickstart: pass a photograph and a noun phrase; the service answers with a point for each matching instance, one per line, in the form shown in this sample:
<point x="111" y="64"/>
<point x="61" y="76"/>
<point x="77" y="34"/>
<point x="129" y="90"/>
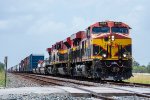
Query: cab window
<point x="97" y="30"/>
<point x="119" y="30"/>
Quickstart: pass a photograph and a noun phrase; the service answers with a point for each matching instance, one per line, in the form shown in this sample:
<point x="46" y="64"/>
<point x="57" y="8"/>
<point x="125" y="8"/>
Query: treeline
<point x="137" y="68"/>
<point x="1" y="66"/>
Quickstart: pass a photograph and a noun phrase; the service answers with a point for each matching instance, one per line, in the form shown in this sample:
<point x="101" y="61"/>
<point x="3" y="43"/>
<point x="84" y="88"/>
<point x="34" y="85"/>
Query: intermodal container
<point x="33" y="61"/>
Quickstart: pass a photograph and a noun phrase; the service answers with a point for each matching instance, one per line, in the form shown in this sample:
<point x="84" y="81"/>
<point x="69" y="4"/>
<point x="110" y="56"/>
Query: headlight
<point x="112" y="38"/>
<point x="104" y="55"/>
<point x="124" y="55"/>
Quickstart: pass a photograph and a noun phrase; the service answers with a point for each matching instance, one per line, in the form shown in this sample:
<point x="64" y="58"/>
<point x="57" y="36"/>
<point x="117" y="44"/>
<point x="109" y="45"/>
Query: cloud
<point x="20" y="6"/>
<point x="3" y="24"/>
<point x="78" y="24"/>
<point x="15" y="24"/>
<point x="45" y="26"/>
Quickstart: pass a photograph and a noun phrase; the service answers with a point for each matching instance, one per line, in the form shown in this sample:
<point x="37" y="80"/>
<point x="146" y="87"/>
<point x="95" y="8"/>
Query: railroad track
<point x="127" y="84"/>
<point x="54" y="81"/>
<point x="79" y="81"/>
<point x="58" y="81"/>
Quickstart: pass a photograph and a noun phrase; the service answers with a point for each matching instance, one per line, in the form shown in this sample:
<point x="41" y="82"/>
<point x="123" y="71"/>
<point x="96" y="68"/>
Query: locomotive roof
<point x="79" y="34"/>
<point x="49" y="49"/>
<point x="109" y="23"/>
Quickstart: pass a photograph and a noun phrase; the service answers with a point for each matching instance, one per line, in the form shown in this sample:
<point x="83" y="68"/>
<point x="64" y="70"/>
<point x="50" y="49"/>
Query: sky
<point x="31" y="26"/>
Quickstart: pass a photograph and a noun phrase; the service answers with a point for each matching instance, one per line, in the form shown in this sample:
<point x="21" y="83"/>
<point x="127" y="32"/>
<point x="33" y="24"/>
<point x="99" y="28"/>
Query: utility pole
<point x="5" y="61"/>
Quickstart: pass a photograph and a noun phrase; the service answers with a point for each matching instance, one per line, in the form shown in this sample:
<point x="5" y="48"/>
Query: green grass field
<point x="2" y="77"/>
<point x="140" y="78"/>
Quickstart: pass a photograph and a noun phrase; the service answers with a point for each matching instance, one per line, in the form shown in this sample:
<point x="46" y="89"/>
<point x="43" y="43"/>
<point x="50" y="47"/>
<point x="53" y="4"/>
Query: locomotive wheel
<point x="54" y="71"/>
<point x="72" y="72"/>
<point x="46" y="70"/>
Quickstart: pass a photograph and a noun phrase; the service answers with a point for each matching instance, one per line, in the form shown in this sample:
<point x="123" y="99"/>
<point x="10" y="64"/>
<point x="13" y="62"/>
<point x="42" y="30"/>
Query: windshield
<point x="101" y="29"/>
<point x="119" y="30"/>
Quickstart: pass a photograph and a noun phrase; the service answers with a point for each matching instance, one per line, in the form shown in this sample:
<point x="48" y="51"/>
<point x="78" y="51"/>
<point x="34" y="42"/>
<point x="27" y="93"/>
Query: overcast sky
<point x="31" y="26"/>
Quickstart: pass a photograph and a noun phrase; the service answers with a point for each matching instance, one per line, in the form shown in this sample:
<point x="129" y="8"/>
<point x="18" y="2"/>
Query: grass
<point x="140" y="78"/>
<point x="2" y="78"/>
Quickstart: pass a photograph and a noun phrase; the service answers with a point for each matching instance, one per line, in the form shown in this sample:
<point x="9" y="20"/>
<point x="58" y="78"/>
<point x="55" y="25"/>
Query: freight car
<point x="103" y="51"/>
<point x="28" y="64"/>
<point x="14" y="69"/>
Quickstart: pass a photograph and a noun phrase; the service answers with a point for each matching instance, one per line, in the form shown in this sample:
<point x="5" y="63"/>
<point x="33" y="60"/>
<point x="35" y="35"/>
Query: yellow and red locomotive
<point x="103" y="51"/>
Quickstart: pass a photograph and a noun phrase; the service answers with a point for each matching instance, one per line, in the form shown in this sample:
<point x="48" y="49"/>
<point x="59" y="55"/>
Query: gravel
<point x="34" y="96"/>
<point x="15" y="81"/>
<point x="130" y="98"/>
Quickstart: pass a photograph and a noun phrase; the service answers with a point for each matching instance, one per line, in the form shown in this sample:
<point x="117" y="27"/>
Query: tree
<point x="1" y="66"/>
<point x="139" y="69"/>
<point x="148" y="67"/>
<point x="135" y="63"/>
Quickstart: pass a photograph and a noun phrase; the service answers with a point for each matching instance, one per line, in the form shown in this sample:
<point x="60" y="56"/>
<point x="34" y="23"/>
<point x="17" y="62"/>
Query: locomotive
<point x="103" y="51"/>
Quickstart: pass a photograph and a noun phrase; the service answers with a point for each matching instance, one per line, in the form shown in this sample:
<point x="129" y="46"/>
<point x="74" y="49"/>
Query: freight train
<point x="103" y="51"/>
